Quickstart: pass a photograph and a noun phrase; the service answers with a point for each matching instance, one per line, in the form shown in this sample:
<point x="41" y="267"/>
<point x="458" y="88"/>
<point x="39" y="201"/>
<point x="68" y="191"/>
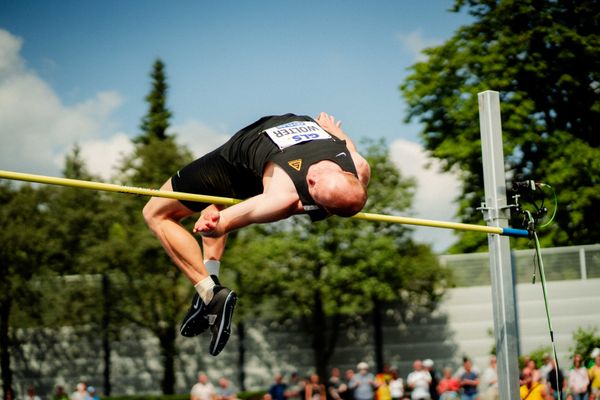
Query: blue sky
<point x="77" y="71"/>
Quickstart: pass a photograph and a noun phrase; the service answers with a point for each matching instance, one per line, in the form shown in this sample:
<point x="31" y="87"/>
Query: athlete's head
<point x="338" y="192"/>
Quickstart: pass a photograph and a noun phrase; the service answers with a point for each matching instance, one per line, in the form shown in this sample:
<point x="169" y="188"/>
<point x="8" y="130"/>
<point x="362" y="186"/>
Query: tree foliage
<point x="22" y="258"/>
<point x="150" y="292"/>
<point x="543" y="57"/>
<point x="73" y="216"/>
<point x="586" y="340"/>
<point x="156" y="121"/>
<point x="49" y="232"/>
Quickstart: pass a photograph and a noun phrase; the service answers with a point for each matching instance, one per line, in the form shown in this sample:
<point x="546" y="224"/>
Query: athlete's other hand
<point x="207" y="224"/>
<point x="329" y="123"/>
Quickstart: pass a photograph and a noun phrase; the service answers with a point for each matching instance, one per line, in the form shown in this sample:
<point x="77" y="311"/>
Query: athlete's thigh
<point x="161" y="207"/>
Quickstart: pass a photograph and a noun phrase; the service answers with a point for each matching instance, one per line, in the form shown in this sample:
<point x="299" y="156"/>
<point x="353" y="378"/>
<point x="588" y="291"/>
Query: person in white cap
<point x="419" y="381"/>
<point x="363" y="383"/>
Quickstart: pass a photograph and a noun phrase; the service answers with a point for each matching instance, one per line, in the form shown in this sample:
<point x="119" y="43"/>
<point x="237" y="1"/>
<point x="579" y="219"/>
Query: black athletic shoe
<point x="219" y="313"/>
<point x="195" y="321"/>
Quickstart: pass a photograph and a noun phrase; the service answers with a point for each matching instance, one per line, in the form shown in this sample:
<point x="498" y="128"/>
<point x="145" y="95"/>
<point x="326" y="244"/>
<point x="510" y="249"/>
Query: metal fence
<point x="560" y="263"/>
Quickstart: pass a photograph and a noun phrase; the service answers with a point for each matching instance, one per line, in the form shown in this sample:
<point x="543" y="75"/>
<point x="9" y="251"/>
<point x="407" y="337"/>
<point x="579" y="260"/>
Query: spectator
<point x="594" y="373"/>
<point x="267" y="396"/>
<point x="296" y="387"/>
<point x="31" y="394"/>
<point x="60" y="393"/>
<point x="578" y="379"/>
<point x="203" y="390"/>
<point x="396" y="384"/>
<point x="363" y="383"/>
<point x="488" y="386"/>
<point x="428" y="365"/>
<point x="382" y="381"/>
<point x="419" y="380"/>
<point x="224" y="390"/>
<point x="469" y="381"/>
<point x="80" y="392"/>
<point x="448" y="387"/>
<point x="461" y="370"/>
<point x="531" y="386"/>
<point x="278" y="388"/>
<point x="546" y="367"/>
<point x="314" y="389"/>
<point x="531" y="365"/>
<point x="556" y="381"/>
<point x="92" y="393"/>
<point x="348" y="392"/>
<point x="334" y="384"/>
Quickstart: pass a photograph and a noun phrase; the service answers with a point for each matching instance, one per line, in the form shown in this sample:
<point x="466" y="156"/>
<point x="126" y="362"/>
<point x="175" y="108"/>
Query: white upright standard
<point x="497" y="213"/>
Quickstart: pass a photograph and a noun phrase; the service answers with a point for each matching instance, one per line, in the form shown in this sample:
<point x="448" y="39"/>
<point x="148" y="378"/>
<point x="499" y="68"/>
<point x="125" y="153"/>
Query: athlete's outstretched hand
<point x="329" y="123"/>
<point x="208" y="223"/>
<point x="334" y="127"/>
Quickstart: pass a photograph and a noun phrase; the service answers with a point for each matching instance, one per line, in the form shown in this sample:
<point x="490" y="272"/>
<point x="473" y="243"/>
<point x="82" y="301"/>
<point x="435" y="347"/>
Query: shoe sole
<point x="218" y="343"/>
<point x="192" y="324"/>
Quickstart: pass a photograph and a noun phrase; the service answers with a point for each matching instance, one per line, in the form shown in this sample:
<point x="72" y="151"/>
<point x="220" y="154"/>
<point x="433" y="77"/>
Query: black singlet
<point x="236" y="168"/>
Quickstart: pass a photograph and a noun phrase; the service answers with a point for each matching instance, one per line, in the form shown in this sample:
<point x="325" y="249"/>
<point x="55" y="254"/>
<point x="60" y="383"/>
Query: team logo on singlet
<point x="296" y="132"/>
<point x="296" y="164"/>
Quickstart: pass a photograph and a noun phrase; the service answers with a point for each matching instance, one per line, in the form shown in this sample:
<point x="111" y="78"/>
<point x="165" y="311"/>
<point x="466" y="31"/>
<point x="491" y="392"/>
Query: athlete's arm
<point x="279" y="200"/>
<point x="334" y="127"/>
<point x="362" y="168"/>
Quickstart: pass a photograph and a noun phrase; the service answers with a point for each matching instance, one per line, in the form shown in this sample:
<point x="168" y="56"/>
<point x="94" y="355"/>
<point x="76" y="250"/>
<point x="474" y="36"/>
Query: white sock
<point x="212" y="266"/>
<point x="205" y="289"/>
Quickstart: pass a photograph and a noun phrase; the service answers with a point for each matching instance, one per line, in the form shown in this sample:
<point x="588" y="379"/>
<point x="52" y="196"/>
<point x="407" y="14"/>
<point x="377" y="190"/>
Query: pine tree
<point x="156" y="122"/>
<point x="156" y="292"/>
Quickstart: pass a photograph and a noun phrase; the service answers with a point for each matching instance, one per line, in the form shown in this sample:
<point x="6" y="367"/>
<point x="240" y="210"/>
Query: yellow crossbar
<point x="109" y="187"/>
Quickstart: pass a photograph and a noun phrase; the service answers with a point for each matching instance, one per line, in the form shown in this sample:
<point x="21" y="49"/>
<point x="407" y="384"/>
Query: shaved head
<point x="340" y="193"/>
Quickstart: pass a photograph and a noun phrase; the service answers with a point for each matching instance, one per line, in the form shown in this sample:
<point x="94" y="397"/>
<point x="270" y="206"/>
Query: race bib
<point x="295" y="132"/>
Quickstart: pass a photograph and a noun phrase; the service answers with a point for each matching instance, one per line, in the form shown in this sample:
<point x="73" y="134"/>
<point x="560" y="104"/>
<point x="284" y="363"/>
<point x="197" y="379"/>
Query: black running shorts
<point x="213" y="175"/>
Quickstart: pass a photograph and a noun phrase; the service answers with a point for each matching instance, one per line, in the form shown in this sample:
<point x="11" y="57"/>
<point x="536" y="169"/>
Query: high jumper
<point x="282" y="165"/>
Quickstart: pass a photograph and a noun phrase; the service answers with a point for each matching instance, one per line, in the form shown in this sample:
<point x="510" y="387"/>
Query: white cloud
<point x="199" y="137"/>
<point x="36" y="128"/>
<point x="414" y="42"/>
<point x="435" y="191"/>
<point x="103" y="155"/>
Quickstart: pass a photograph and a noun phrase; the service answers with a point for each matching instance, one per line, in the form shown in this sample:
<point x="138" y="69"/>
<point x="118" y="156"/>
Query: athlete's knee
<point x="151" y="214"/>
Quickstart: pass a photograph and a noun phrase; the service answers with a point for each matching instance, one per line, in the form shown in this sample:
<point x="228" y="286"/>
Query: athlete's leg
<point x="214" y="247"/>
<point x="162" y="216"/>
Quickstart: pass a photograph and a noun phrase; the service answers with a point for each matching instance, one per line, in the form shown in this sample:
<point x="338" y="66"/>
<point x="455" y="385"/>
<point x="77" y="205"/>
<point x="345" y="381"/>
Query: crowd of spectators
<point x="425" y="382"/>
<point x="537" y="381"/>
<point x="579" y="382"/>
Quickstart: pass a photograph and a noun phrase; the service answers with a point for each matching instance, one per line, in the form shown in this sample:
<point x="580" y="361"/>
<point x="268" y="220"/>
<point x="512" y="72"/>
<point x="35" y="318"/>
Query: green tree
<point x="156" y="121"/>
<point x="81" y="219"/>
<point x="543" y="57"/>
<point x="586" y="340"/>
<point x="22" y="257"/>
<point x="73" y="221"/>
<point x="149" y="292"/>
<point x="322" y="274"/>
<point x="73" y="215"/>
